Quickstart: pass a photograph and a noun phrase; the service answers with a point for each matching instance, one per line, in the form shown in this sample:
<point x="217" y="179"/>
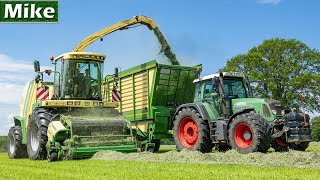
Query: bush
<point x="3" y="143"/>
<point x="315" y="128"/>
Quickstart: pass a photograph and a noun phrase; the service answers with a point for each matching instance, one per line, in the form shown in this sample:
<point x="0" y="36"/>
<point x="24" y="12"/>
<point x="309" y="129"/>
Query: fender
<point x="198" y="106"/>
<point x="17" y="120"/>
<point x="236" y="114"/>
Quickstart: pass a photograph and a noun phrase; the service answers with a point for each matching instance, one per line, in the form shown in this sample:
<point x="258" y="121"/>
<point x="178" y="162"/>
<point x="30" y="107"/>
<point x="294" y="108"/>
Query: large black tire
<point x="15" y="147"/>
<point x="191" y="131"/>
<point x="279" y="145"/>
<point x="299" y="146"/>
<point x="249" y="132"/>
<point x="37" y="134"/>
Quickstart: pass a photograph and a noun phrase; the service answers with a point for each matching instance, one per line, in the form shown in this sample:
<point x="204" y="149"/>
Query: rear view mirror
<point x="116" y="72"/>
<point x="36" y="65"/>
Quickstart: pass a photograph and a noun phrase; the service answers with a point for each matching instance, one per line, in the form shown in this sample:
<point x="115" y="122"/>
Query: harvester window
<point x="82" y="80"/>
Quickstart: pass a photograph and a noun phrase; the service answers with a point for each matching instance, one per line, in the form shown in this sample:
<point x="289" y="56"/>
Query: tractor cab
<point x="78" y="76"/>
<point x="220" y="89"/>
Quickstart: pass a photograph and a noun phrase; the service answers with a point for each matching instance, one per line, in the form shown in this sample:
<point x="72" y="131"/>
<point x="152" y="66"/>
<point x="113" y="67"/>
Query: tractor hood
<point x="269" y="109"/>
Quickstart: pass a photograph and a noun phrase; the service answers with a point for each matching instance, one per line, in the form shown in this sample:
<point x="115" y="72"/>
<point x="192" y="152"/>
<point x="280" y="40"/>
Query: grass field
<point x="114" y="169"/>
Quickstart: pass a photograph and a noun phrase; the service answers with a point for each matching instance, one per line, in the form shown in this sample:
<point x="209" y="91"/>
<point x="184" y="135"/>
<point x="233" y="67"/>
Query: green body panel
<point x="255" y="103"/>
<point x="25" y="113"/>
<point x="168" y="86"/>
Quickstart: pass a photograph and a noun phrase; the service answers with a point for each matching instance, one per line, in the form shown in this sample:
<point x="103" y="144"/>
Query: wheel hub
<point x="247" y="135"/>
<point x="188" y="132"/>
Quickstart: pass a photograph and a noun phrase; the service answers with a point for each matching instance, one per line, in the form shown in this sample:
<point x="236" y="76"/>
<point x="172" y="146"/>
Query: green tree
<point x="315" y="128"/>
<point x="288" y="67"/>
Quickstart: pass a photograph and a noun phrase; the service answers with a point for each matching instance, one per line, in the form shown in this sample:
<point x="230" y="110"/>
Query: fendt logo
<point x="29" y="11"/>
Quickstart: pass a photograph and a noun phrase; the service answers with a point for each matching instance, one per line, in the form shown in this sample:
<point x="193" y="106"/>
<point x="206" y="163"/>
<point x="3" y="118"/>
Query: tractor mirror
<point x="37" y="78"/>
<point x="116" y="72"/>
<point x="215" y="84"/>
<point x="36" y="65"/>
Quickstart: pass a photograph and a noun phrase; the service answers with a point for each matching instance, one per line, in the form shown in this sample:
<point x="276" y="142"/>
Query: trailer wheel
<point x="299" y="146"/>
<point x="280" y="145"/>
<point x="191" y="131"/>
<point x="248" y="133"/>
<point x="37" y="134"/>
<point x="15" y="147"/>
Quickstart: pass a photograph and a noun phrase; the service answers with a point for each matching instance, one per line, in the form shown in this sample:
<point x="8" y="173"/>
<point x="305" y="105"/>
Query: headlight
<point x="274" y="112"/>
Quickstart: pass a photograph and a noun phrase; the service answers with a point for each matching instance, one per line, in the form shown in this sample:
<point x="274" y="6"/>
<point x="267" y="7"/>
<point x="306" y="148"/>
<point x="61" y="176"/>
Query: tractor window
<point x="82" y="80"/>
<point x="207" y="90"/>
<point x="197" y="96"/>
<point x="234" y="88"/>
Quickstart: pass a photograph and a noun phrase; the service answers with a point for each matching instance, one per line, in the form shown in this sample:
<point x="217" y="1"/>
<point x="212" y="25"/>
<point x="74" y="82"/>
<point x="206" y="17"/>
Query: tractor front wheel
<point x="37" y="134"/>
<point x="15" y="147"/>
<point x="248" y="133"/>
<point x="191" y="131"/>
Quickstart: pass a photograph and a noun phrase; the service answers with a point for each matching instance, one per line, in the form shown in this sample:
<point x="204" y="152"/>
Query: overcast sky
<point x="199" y="32"/>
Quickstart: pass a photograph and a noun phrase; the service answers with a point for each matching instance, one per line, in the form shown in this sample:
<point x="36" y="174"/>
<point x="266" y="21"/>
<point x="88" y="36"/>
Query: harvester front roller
<point x="37" y="133"/>
<point x="79" y="136"/>
<point x="248" y="133"/>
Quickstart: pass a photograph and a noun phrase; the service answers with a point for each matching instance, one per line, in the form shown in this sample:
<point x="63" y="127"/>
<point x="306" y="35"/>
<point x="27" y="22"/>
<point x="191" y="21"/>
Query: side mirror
<point x="214" y="95"/>
<point x="37" y="78"/>
<point x="36" y="66"/>
<point x="215" y="84"/>
<point x="116" y="72"/>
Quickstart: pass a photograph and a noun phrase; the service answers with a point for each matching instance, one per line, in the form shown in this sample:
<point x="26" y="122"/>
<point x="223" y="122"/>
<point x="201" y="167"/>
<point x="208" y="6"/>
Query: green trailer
<point x="148" y="97"/>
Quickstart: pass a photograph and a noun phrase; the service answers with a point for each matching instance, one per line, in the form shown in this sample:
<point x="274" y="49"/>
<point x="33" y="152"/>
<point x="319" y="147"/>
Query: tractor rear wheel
<point x="299" y="146"/>
<point x="37" y="134"/>
<point x="248" y="132"/>
<point x="15" y="147"/>
<point x="191" y="131"/>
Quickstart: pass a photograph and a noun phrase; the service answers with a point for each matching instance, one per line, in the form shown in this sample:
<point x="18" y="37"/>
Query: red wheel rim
<point x="188" y="132"/>
<point x="243" y="135"/>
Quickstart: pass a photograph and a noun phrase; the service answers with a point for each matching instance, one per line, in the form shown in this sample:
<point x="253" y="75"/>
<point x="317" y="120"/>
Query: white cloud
<point x="273" y="2"/>
<point x="14" y="74"/>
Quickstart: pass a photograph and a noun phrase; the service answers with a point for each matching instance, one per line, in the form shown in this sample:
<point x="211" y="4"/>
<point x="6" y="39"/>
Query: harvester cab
<point x="67" y="119"/>
<point x="225" y="114"/>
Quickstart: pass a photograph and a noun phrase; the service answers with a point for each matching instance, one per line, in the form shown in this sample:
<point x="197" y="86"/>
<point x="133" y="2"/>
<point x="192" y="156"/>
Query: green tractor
<point x="224" y="114"/>
<point x="66" y="118"/>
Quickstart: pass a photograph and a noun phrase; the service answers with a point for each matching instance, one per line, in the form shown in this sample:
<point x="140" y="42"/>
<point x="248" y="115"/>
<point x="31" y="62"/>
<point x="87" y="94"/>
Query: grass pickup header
<point x="29" y="11"/>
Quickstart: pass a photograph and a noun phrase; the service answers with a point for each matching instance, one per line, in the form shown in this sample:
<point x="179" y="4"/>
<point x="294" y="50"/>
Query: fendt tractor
<point x="67" y="119"/>
<point x="218" y="110"/>
<point x="225" y="114"/>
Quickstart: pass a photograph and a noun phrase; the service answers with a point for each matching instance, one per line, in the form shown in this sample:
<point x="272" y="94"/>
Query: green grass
<point x="99" y="169"/>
